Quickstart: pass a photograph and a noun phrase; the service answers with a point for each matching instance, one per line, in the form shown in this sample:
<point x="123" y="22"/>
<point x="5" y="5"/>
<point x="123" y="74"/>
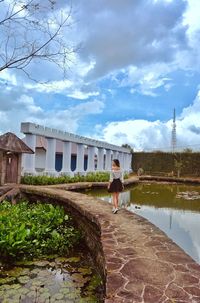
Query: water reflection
<point x="54" y="279"/>
<point x="175" y="209"/>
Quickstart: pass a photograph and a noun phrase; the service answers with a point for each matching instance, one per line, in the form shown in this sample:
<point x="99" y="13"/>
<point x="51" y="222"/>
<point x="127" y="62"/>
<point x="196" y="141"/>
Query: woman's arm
<point x="122" y="179"/>
<point x="110" y="179"/>
<point x="111" y="176"/>
<point x="122" y="176"/>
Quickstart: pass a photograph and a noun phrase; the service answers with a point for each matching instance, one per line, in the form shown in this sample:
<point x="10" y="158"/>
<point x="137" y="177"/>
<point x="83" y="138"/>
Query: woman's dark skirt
<point x="115" y="186"/>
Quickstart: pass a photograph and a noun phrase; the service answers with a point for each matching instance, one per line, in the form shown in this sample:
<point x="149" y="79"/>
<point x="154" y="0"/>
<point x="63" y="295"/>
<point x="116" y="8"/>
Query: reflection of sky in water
<point x="182" y="226"/>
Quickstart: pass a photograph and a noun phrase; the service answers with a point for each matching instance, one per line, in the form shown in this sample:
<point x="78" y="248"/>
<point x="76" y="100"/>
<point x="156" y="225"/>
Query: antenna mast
<point x="174" y="132"/>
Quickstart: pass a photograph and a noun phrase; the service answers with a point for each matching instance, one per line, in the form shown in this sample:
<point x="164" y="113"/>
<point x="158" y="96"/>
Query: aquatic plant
<point x="55" y="279"/>
<point x="30" y="230"/>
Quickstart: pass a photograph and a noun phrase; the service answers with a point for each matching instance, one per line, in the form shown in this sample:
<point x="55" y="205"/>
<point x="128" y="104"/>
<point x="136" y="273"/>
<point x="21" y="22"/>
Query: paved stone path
<point x="142" y="264"/>
<point x="146" y="266"/>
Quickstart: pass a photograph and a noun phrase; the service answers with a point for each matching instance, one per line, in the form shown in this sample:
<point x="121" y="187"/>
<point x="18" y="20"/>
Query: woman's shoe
<point x="115" y="211"/>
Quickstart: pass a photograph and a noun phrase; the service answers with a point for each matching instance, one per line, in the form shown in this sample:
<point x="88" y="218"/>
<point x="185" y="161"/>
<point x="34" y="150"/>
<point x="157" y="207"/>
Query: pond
<point x="175" y="209"/>
<point x="43" y="257"/>
<point x="53" y="279"/>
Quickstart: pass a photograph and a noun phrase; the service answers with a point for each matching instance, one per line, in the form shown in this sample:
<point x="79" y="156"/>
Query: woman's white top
<point x="116" y="174"/>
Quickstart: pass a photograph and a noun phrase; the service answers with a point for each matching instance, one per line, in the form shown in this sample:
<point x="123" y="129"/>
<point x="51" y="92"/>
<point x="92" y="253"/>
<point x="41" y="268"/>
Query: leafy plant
<point x="30" y="230"/>
<point x="49" y="180"/>
<point x="178" y="163"/>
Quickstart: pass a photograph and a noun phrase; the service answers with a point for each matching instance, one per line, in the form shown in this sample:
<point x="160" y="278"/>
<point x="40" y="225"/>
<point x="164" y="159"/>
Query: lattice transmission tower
<point x="173" y="141"/>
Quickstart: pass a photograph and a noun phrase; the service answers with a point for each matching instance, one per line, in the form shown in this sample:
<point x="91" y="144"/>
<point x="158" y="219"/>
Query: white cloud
<point x="3" y="117"/>
<point x="141" y="134"/>
<point x="52" y="86"/>
<point x="87" y="108"/>
<point x="51" y="82"/>
<point x="156" y="135"/>
<point x="69" y="119"/>
<point x="122" y="35"/>
<point x="192" y="16"/>
<point x="148" y="78"/>
<point x="119" y="34"/>
<point x="8" y="76"/>
<point x="189" y="222"/>
<point x="193" y="109"/>
<point x="145" y="50"/>
<point x="73" y="87"/>
<point x="190" y="58"/>
<point x="81" y="95"/>
<point x="24" y="108"/>
<point x="28" y="104"/>
<point x="137" y="43"/>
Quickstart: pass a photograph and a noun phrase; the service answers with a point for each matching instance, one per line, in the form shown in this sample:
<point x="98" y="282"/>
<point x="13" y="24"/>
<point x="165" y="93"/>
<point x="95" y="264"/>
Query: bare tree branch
<point x="11" y="14"/>
<point x="30" y="30"/>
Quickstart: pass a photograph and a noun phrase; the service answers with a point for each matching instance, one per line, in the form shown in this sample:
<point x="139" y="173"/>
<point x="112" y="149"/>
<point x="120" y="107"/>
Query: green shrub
<point x="44" y="180"/>
<point x="49" y="180"/>
<point x="32" y="230"/>
<point x="126" y="175"/>
<point x="97" y="177"/>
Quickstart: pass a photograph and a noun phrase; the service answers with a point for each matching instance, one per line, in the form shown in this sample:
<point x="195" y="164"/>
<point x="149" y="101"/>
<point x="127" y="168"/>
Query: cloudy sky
<point x="135" y="62"/>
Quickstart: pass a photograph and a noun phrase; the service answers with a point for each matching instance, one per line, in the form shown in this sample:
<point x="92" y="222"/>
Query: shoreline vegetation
<point x="50" y="180"/>
<point x="33" y="230"/>
<point x="43" y="257"/>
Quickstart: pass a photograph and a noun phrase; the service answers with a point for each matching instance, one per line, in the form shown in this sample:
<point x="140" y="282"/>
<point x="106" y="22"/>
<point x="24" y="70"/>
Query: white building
<point x="58" y="152"/>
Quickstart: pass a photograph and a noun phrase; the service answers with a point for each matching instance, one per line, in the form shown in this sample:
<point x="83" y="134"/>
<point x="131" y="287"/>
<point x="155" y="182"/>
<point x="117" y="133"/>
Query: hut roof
<point x="10" y="142"/>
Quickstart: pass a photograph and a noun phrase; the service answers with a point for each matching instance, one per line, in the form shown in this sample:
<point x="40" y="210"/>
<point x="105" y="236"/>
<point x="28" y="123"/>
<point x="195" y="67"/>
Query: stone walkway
<point x="142" y="264"/>
<point x="146" y="266"/>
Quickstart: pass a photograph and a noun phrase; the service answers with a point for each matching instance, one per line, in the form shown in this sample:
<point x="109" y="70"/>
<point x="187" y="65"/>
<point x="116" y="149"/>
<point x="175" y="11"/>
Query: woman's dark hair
<point x="117" y="163"/>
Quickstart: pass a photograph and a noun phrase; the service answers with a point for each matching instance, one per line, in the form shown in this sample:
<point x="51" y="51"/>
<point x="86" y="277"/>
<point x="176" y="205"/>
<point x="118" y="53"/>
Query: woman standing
<point x="115" y="185"/>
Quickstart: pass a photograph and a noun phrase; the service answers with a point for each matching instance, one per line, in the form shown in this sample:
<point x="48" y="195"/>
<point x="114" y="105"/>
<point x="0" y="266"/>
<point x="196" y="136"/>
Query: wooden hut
<point x="11" y="149"/>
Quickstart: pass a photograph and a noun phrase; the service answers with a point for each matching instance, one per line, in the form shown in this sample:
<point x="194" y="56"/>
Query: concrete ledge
<point x="170" y="179"/>
<point x="88" y="185"/>
<point x="139" y="263"/>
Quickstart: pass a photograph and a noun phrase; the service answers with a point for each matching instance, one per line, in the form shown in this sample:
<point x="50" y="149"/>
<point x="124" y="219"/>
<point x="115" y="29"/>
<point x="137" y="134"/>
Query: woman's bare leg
<point x="117" y="200"/>
<point x="113" y="199"/>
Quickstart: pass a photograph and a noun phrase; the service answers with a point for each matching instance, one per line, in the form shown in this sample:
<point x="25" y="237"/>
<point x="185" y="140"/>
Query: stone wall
<point x="166" y="163"/>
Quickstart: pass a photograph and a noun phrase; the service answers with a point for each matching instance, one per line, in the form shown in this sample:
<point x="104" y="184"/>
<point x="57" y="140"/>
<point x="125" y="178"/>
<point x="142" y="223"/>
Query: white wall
<point x="40" y="158"/>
